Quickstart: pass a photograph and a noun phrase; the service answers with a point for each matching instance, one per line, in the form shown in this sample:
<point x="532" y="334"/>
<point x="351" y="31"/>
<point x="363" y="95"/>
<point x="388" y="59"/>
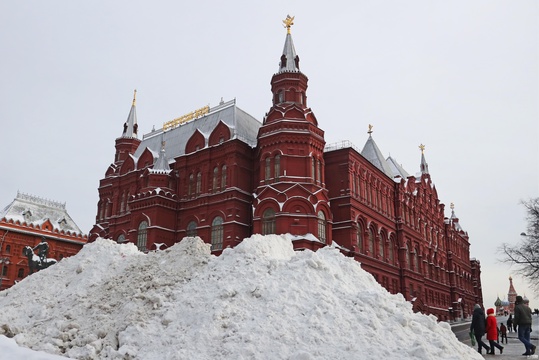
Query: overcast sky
<point x="460" y="77"/>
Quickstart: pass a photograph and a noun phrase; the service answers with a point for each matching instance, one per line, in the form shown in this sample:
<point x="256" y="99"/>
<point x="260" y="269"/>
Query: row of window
<point x="219" y="181"/>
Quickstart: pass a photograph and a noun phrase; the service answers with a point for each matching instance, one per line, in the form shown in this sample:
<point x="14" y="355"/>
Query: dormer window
<point x="62" y="222"/>
<point x="283" y="61"/>
<point x="27" y="215"/>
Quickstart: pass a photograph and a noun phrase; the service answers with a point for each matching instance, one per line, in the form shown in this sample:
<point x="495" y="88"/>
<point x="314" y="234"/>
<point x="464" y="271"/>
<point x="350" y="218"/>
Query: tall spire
<point x="289" y="59"/>
<point x="131" y="126"/>
<point x="424" y="166"/>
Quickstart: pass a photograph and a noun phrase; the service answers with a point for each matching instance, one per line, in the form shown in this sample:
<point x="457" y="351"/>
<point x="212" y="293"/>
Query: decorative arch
<point x="196" y="142"/>
<point x="146" y="159"/>
<point x="220" y="134"/>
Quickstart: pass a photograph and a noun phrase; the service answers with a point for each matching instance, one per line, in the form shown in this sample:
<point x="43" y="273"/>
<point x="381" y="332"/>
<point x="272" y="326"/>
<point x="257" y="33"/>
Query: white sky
<point x="460" y="77"/>
<point x="251" y="302"/>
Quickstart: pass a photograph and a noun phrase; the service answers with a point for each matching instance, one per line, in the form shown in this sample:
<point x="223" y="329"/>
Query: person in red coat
<point x="492" y="331"/>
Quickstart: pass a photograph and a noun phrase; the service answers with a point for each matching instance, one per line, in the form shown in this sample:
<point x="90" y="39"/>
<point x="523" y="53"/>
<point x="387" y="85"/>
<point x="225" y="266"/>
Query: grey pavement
<point x="514" y="348"/>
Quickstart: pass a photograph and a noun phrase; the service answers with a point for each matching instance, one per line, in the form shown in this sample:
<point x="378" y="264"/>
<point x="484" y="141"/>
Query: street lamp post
<point x="3" y="262"/>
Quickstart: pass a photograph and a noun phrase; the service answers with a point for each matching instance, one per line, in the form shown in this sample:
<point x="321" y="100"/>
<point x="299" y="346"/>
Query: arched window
<point x="199" y="183"/>
<point x="20" y="273"/>
<point x="359" y="238"/>
<point x="127" y="202"/>
<point x="121" y="239"/>
<point x="277" y="166"/>
<point x="319" y="171"/>
<point x="217" y="233"/>
<point x="313" y="164"/>
<point x="267" y="174"/>
<point x="410" y="258"/>
<point x="416" y="260"/>
<point x="268" y="222"/>
<point x="215" y="183"/>
<point x="191" y="229"/>
<point x="371" y="242"/>
<point x="223" y="177"/>
<point x="191" y="184"/>
<point x="322" y="226"/>
<point x="4" y="270"/>
<point x="142" y="235"/>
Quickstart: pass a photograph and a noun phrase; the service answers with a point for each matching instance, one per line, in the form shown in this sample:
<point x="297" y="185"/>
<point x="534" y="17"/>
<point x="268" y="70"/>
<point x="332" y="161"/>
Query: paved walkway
<point x="514" y="348"/>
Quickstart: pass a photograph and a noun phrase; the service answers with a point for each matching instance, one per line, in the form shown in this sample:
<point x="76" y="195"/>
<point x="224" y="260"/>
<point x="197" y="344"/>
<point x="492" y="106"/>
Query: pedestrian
<point x="523" y="319"/>
<point x="503" y="332"/>
<point x="492" y="332"/>
<point x="510" y="323"/>
<point x="478" y="327"/>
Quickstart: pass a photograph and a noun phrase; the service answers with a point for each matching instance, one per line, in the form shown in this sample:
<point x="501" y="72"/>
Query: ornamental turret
<point x="290" y="193"/>
<point x="128" y="142"/>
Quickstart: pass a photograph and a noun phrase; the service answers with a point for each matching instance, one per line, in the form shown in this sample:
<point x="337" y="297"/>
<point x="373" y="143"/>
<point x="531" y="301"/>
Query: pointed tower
<point x="511" y="295"/>
<point x="424" y="167"/>
<point x="290" y="194"/>
<point x="128" y="143"/>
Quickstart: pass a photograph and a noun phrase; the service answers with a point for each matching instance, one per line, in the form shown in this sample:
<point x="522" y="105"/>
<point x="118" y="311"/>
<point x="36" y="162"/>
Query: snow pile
<point x="260" y="300"/>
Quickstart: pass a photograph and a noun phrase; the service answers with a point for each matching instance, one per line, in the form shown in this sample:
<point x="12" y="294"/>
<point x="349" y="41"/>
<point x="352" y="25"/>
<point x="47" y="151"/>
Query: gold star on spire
<point x="452" y="206"/>
<point x="422" y="148"/>
<point x="288" y="22"/>
<point x="370" y="129"/>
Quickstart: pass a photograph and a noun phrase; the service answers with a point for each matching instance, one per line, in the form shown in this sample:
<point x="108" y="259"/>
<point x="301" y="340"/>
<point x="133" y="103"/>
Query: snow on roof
<point x="260" y="299"/>
<point x="34" y="210"/>
<point x="242" y="126"/>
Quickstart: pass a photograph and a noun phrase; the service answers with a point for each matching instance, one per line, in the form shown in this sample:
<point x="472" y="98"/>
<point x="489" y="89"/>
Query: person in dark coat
<point x="503" y="332"/>
<point x="478" y="327"/>
<point x="523" y="319"/>
<point x="510" y="322"/>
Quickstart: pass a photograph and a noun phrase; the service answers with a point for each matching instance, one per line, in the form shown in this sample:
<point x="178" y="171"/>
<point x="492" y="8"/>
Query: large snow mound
<point x="260" y="300"/>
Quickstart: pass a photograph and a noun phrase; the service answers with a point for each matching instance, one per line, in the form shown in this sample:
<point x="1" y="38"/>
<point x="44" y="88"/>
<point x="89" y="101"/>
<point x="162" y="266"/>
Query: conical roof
<point x="372" y="153"/>
<point x="131" y="126"/>
<point x="289" y="60"/>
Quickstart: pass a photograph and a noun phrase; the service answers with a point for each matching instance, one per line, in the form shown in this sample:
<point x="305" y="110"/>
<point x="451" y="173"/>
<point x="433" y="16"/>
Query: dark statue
<point x="39" y="261"/>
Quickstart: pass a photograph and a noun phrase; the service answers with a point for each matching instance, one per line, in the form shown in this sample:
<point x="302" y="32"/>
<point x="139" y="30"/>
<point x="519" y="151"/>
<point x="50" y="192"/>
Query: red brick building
<point x="222" y="175"/>
<point x="27" y="221"/>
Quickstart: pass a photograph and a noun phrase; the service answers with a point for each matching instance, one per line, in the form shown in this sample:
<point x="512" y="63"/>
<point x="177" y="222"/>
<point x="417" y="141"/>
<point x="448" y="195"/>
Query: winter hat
<point x="477" y="306"/>
<point x="490" y="311"/>
<point x="519" y="299"/>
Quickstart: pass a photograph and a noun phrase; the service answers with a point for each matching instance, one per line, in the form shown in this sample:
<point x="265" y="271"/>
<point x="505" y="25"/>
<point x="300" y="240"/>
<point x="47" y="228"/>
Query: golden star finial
<point x="370" y="129"/>
<point x="452" y="206"/>
<point x="288" y="22"/>
<point x="422" y="148"/>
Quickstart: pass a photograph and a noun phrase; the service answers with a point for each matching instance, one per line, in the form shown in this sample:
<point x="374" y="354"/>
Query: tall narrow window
<point x="215" y="182"/>
<point x="359" y="238"/>
<point x="191" y="229"/>
<point x="277" y="166"/>
<point x="268" y="222"/>
<point x="223" y="177"/>
<point x="312" y="168"/>
<point x="381" y="246"/>
<point x="122" y="204"/>
<point x="199" y="183"/>
<point x="371" y="242"/>
<point x="20" y="274"/>
<point x="142" y="235"/>
<point x="191" y="184"/>
<point x="319" y="171"/>
<point x="322" y="226"/>
<point x="8" y="249"/>
<point x="353" y="190"/>
<point x="390" y="252"/>
<point x="267" y="175"/>
<point x="217" y="233"/>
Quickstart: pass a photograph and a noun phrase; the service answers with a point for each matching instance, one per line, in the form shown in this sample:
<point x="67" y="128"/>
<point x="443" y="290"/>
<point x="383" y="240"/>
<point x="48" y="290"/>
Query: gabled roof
<point x="242" y="126"/>
<point x="34" y="210"/>
<point x="396" y="168"/>
<point x="372" y="153"/>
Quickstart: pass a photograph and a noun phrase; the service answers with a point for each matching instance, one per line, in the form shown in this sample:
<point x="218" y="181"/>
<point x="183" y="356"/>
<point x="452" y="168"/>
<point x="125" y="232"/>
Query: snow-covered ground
<point x="260" y="300"/>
